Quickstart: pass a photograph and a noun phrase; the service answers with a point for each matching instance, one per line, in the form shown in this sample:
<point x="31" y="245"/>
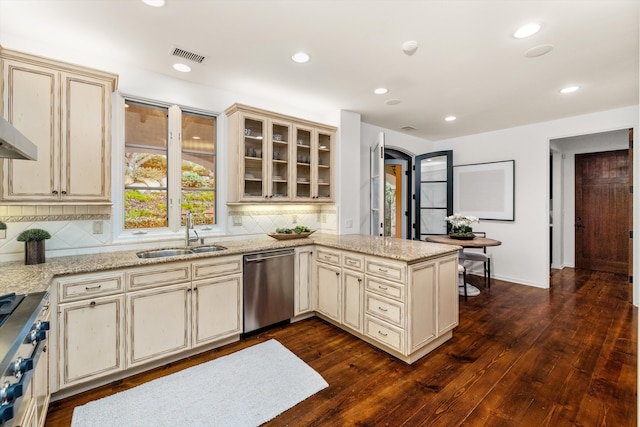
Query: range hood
<point x="14" y="145"/>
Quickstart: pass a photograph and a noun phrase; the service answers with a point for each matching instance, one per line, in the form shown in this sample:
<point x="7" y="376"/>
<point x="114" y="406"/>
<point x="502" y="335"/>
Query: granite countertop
<point x="19" y="278"/>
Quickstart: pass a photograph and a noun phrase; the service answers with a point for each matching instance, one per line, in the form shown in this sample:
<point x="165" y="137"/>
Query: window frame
<point x="174" y="158"/>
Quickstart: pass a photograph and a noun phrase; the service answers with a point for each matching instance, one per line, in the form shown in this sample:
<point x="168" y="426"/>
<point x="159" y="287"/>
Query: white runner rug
<point x="246" y="388"/>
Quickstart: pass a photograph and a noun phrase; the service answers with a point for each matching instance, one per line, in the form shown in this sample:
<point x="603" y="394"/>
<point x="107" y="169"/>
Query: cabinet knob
<point x="63" y="192"/>
<point x="92" y="303"/>
<point x="54" y="192"/>
<point x="337" y="274"/>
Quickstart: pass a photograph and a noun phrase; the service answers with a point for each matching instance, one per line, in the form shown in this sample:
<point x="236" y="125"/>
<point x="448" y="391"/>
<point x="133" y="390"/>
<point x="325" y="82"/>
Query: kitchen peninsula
<point x="398" y="295"/>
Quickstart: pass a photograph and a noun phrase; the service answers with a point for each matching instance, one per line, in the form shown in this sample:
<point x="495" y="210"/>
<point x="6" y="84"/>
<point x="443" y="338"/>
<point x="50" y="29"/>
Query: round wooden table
<point x="477" y="242"/>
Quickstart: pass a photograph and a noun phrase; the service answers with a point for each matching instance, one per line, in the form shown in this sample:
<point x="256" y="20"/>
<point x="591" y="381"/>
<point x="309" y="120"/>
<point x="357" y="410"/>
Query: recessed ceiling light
<point x="154" y="3"/>
<point x="450" y="118"/>
<point x="380" y="91"/>
<point x="526" y="30"/>
<point x="569" y="89"/>
<point x="183" y="68"/>
<point x="300" y="57"/>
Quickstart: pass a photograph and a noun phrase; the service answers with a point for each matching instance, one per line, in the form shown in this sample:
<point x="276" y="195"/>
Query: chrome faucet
<point x="188" y="222"/>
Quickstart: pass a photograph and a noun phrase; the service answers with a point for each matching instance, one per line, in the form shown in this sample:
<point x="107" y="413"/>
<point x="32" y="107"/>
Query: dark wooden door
<point x="602" y="211"/>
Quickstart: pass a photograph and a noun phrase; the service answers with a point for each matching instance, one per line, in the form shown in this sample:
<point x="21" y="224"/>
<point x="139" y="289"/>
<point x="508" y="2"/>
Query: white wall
<point x="524" y="254"/>
<point x="568" y="148"/>
<point x="408" y="144"/>
<point x="348" y="173"/>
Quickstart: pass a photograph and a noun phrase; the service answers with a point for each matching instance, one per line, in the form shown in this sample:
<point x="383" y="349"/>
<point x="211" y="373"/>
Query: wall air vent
<point x="191" y="56"/>
<point x="408" y="128"/>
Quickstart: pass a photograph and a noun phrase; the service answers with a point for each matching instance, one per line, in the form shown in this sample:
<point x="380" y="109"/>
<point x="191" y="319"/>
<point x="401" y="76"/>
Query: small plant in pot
<point x="34" y="245"/>
<point x="461" y="226"/>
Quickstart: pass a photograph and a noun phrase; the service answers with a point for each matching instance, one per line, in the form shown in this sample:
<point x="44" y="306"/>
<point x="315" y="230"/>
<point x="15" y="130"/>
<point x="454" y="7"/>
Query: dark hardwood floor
<point x="521" y="356"/>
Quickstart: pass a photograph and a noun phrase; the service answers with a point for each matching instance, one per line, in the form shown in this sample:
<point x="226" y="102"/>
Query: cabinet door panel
<point x="353" y="296"/>
<point x="447" y="294"/>
<point x="329" y="300"/>
<point x="216" y="309"/>
<point x="157" y="323"/>
<point x="90" y="340"/>
<point x="31" y="105"/>
<point x="422" y="304"/>
<point x="303" y="279"/>
<point x="84" y="139"/>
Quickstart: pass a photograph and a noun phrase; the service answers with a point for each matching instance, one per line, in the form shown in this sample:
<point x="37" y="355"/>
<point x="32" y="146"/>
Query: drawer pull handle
<point x="383" y="309"/>
<point x="351" y="262"/>
<point x="384" y="288"/>
<point x="383" y="270"/>
<point x="382" y="333"/>
<point x="92" y="288"/>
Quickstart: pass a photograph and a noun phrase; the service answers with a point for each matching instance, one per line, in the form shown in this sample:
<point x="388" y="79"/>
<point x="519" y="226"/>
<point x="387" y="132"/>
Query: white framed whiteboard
<point x="485" y="190"/>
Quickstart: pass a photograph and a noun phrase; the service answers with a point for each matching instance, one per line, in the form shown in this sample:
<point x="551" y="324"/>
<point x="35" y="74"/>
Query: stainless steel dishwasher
<point x="268" y="288"/>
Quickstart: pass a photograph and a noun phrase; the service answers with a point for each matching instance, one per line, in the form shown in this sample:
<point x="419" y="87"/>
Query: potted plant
<point x="3" y="230"/>
<point x="461" y="226"/>
<point x="34" y="245"/>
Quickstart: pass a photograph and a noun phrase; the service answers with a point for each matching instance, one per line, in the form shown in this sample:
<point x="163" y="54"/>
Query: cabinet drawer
<point x="167" y="274"/>
<point x="386" y="269"/>
<point x="353" y="261"/>
<point x="386" y="288"/>
<point x="384" y="333"/>
<point x="329" y="257"/>
<point x="384" y="308"/>
<point x="89" y="285"/>
<point x="215" y="267"/>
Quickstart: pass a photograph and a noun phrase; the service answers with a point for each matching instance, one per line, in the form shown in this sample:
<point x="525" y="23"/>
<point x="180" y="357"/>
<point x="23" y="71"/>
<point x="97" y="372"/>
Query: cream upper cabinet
<point x="279" y="158"/>
<point x="66" y="111"/>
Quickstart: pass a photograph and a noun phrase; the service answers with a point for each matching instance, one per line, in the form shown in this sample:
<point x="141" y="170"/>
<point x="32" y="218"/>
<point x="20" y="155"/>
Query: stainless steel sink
<point x="160" y="253"/>
<point x="210" y="248"/>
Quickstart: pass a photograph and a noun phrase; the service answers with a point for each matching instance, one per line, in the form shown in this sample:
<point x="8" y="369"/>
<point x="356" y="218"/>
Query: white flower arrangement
<point x="461" y="223"/>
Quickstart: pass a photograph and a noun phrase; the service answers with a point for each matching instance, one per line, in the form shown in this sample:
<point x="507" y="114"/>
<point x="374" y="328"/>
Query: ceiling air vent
<point x="409" y="128"/>
<point x="191" y="56"/>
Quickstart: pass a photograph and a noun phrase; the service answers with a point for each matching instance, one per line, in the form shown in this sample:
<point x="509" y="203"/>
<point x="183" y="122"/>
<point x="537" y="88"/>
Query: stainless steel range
<point x="22" y="339"/>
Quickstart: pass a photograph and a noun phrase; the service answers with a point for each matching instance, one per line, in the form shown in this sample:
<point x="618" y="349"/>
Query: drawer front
<point x="386" y="269"/>
<point x="384" y="333"/>
<point x="353" y="261"/>
<point x="215" y="267"/>
<point x="388" y="289"/>
<point x="328" y="257"/>
<point x="89" y="285"/>
<point x="165" y="274"/>
<point x="384" y="308"/>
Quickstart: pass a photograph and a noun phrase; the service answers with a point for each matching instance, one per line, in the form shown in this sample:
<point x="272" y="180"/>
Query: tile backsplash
<point x="72" y="231"/>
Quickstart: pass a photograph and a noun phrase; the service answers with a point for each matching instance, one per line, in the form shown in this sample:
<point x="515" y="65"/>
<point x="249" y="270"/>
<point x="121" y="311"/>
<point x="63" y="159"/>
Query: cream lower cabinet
<point x="216" y="308"/>
<point x="89" y="325"/>
<point x="303" y="281"/>
<point x="340" y="287"/>
<point x="405" y="309"/>
<point x="153" y="312"/>
<point x="202" y="304"/>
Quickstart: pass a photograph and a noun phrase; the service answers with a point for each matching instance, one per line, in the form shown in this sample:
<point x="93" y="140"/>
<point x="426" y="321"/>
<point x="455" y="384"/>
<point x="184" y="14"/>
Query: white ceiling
<point x="467" y="64"/>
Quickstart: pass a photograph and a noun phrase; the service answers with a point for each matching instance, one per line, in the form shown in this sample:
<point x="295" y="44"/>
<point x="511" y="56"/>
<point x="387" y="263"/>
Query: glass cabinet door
<point x="323" y="163"/>
<point x="302" y="170"/>
<point x="253" y="164"/>
<point x="279" y="171"/>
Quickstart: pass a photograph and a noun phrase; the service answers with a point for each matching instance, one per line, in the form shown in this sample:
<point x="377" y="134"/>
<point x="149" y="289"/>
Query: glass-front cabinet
<point x="279" y="158"/>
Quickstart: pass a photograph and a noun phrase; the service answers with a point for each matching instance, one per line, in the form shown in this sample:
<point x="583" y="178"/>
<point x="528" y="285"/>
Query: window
<point x="169" y="166"/>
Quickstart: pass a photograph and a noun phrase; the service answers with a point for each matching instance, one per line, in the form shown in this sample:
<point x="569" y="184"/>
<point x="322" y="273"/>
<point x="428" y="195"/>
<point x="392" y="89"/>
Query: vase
<point x="34" y="252"/>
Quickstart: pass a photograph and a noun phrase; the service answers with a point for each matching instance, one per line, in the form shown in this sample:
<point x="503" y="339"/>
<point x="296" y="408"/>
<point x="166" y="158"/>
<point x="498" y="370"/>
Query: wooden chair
<point x="468" y="256"/>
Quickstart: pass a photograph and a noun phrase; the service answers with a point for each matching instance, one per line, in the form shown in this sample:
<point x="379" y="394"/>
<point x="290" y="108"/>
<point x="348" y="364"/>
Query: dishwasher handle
<point x="267" y="255"/>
